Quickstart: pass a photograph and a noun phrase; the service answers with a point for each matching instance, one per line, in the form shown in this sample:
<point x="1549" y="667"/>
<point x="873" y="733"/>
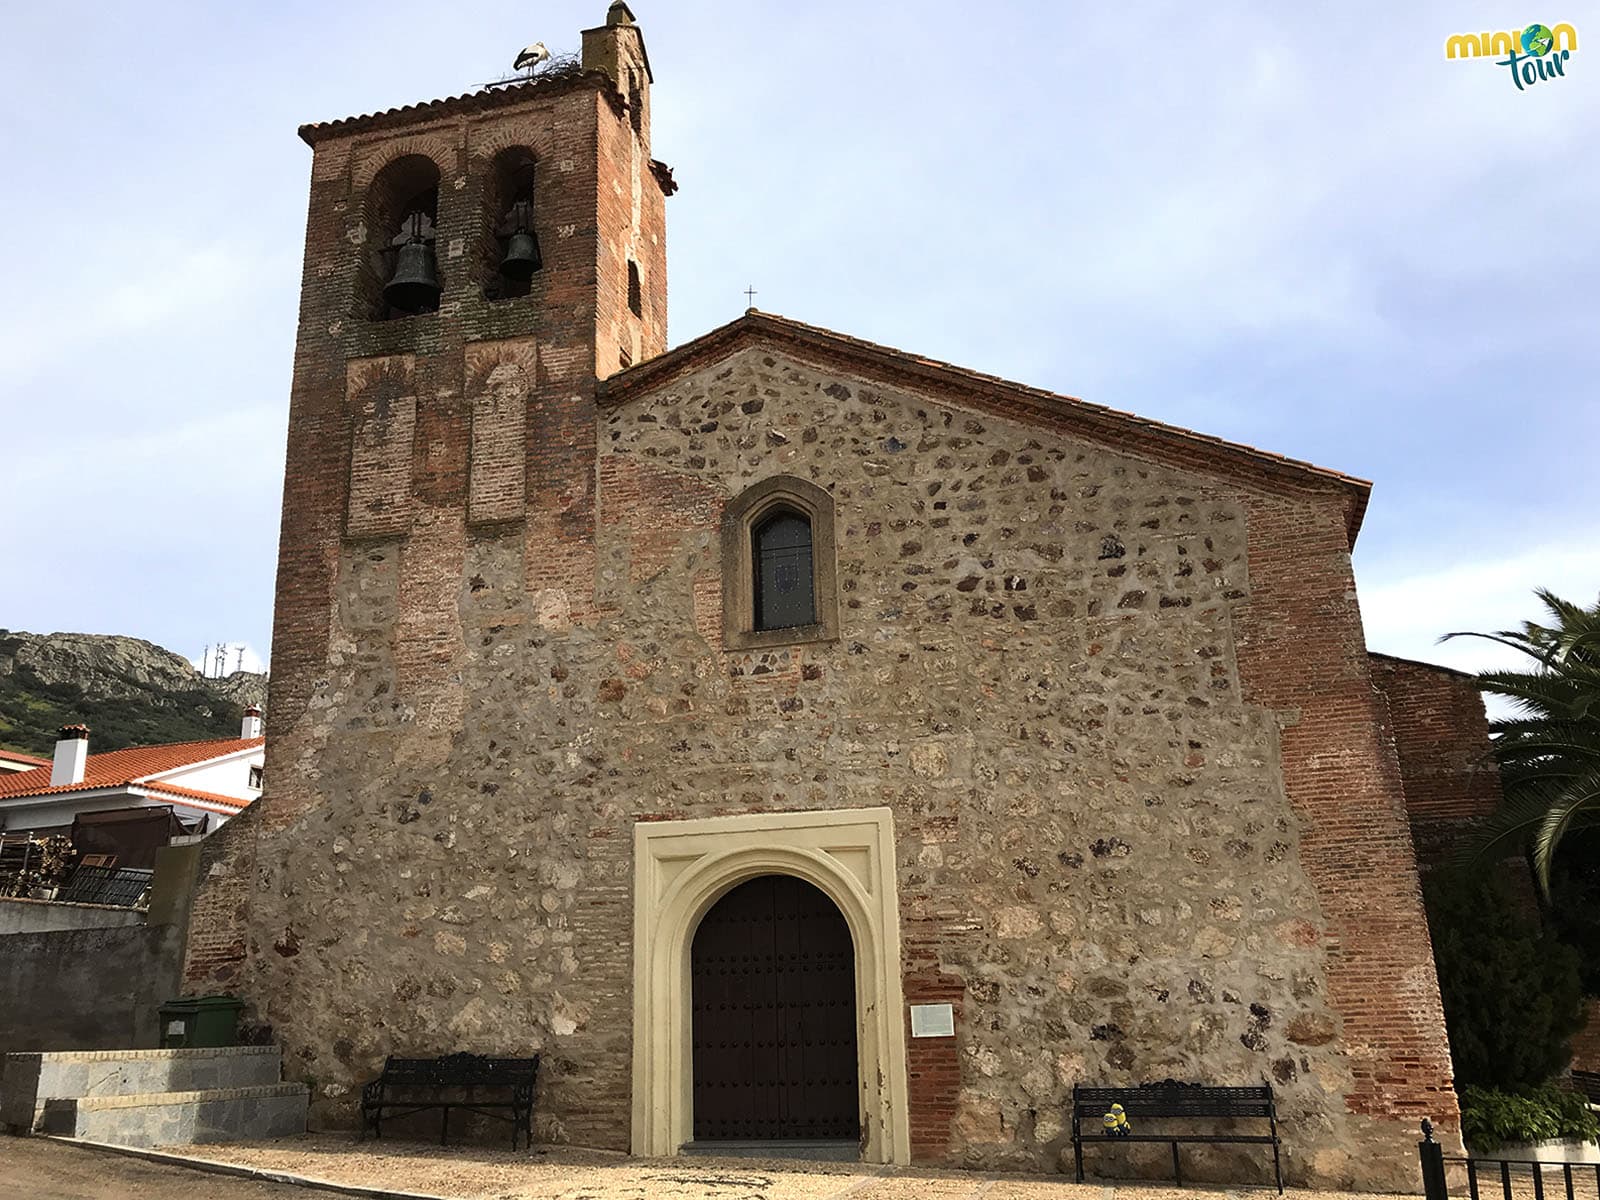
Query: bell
<point x="522" y="256"/>
<point x="414" y="286"/>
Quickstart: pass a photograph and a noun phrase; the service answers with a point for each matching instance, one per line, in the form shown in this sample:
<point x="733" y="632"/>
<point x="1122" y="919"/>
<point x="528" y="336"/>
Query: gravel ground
<point x="484" y="1173"/>
<point x="37" y="1169"/>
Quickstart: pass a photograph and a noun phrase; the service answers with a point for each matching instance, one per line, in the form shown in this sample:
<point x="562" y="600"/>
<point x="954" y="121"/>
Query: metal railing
<point x="1517" y="1179"/>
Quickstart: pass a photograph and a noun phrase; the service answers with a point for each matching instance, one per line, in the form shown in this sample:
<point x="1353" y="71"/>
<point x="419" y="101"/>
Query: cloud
<point x="222" y="451"/>
<point x="173" y="281"/>
<point x="1406" y="614"/>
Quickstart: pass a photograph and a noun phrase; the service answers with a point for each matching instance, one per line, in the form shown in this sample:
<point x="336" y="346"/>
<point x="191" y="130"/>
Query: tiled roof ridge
<point x="681" y="359"/>
<point x="492" y="96"/>
<point x="180" y="745"/>
<point x="233" y="802"/>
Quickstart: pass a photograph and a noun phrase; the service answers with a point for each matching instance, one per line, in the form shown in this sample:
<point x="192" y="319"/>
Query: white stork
<point x="530" y="57"/>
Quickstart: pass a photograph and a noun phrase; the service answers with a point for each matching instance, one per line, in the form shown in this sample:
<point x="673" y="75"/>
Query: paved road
<point x="41" y="1170"/>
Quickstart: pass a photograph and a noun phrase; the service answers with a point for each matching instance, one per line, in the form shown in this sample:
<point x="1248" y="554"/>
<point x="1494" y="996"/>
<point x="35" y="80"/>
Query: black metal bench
<point x="412" y="1085"/>
<point x="1186" y="1101"/>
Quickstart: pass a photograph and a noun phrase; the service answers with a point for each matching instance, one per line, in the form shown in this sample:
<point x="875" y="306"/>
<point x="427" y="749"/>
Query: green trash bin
<point x="200" y="1021"/>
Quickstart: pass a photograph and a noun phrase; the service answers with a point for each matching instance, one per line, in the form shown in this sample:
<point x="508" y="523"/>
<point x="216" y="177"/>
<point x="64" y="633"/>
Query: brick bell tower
<point x="473" y="266"/>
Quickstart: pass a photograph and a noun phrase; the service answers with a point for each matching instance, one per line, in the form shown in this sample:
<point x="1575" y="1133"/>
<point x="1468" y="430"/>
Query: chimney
<point x="72" y="756"/>
<point x="252" y="723"/>
<point x="614" y="48"/>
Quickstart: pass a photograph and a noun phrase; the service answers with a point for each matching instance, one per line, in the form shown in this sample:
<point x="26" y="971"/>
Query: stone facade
<point x="1107" y="677"/>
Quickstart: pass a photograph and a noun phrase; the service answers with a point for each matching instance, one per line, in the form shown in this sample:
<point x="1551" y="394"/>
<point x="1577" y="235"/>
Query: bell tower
<point x="473" y="266"/>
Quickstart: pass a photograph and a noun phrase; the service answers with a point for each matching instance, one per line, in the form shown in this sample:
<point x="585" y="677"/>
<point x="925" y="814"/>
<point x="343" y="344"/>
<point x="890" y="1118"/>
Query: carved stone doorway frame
<point x="682" y="868"/>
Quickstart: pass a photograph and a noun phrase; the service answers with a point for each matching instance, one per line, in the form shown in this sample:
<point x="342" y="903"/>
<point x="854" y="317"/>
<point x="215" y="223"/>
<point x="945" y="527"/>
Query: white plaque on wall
<point x="933" y="1020"/>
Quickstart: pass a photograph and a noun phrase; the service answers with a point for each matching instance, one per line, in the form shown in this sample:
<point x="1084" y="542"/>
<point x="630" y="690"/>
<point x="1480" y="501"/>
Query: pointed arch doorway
<point x="773" y="1002"/>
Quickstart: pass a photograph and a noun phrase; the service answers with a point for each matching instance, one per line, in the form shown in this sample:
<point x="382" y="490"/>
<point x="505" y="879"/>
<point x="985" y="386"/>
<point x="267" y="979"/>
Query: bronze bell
<point x="414" y="287"/>
<point x="522" y="256"/>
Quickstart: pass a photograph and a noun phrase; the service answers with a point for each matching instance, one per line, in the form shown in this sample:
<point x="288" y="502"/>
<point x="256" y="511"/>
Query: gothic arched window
<point x="783" y="588"/>
<point x="778" y="566"/>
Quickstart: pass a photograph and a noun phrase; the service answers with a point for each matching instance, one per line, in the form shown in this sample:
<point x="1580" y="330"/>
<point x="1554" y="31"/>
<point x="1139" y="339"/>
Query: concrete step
<point x="811" y="1149"/>
<point x="28" y="1081"/>
<point x="178" y="1118"/>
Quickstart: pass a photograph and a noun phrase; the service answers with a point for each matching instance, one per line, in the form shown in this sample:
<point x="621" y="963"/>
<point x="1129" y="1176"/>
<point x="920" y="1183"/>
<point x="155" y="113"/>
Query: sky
<point x="1296" y="227"/>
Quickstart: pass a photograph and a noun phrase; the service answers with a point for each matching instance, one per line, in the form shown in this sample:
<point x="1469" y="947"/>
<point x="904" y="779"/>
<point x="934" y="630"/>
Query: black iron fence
<point x="1514" y="1179"/>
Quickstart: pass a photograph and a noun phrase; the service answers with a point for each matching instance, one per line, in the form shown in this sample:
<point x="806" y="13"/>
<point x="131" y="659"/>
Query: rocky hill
<point x="129" y="692"/>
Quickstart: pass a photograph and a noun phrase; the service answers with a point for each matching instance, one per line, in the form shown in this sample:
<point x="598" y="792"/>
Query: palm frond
<point x="1549" y="751"/>
<point x="1579" y="803"/>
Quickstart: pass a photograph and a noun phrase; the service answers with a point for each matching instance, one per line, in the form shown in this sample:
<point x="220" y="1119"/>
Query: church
<point x="789" y="738"/>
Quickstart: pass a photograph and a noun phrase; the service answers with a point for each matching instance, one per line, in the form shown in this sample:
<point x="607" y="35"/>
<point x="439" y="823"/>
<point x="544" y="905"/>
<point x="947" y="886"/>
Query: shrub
<point x="1575" y="901"/>
<point x="1492" y="1118"/>
<point x="1512" y="993"/>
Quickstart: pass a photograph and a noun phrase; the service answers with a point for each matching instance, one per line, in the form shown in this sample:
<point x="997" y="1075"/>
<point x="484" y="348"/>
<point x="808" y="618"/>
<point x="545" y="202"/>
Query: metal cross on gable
<point x="750" y="296"/>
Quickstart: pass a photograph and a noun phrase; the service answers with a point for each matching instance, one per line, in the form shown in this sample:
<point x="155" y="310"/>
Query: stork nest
<point x="559" y="66"/>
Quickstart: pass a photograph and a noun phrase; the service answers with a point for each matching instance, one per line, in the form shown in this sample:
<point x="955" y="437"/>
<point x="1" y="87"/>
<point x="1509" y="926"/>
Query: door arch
<point x="772" y="970"/>
<point x="681" y="869"/>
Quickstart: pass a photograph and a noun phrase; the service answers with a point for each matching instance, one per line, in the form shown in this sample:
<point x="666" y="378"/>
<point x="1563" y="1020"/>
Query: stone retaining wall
<point x="22" y="915"/>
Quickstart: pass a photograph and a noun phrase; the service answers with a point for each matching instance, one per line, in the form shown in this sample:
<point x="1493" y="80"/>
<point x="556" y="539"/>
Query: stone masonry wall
<point x="1102" y="845"/>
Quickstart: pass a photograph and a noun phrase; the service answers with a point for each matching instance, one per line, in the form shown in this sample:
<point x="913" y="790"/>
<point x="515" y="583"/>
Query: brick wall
<point x="391" y="424"/>
<point x="215" y="949"/>
<point x="1302" y="653"/>
<point x="933" y="1065"/>
<point x="1441" y="738"/>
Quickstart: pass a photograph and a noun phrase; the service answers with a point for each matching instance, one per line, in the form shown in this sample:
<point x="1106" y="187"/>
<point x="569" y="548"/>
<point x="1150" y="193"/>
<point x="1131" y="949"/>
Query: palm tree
<point x="1549" y="751"/>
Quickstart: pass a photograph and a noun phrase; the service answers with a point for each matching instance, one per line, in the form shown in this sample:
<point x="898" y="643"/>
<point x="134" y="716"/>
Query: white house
<point x="204" y="783"/>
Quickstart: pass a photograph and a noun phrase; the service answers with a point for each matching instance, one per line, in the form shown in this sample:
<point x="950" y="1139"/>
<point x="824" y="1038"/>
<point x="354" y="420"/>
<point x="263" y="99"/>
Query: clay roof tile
<point x="124" y="768"/>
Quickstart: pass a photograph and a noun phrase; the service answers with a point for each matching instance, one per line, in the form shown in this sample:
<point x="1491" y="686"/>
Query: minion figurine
<point x="1116" y="1122"/>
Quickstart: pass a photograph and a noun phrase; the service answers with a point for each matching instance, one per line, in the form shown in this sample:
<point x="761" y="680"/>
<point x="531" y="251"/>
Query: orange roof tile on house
<point x="17" y="757"/>
<point x="232" y="805"/>
<point x="134" y="766"/>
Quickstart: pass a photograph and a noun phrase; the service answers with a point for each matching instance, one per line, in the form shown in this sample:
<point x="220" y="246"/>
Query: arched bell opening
<point x="773" y="1018"/>
<point x="512" y="254"/>
<point x="399" y="275"/>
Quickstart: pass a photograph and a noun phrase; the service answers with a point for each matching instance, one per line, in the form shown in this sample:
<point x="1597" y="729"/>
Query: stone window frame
<point x="739" y="520"/>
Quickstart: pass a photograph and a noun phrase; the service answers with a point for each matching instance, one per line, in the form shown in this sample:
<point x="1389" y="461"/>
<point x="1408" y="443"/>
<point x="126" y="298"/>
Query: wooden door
<point x="774" y="1003"/>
